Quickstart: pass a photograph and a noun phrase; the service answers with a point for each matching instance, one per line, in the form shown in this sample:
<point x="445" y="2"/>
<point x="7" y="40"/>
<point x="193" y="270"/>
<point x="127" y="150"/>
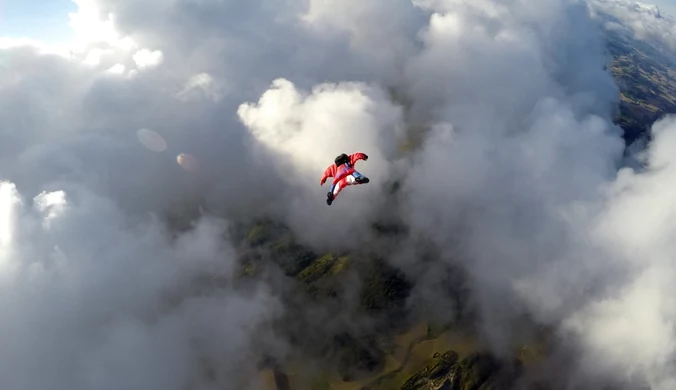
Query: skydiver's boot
<point x="329" y="198"/>
<point x="359" y="178"/>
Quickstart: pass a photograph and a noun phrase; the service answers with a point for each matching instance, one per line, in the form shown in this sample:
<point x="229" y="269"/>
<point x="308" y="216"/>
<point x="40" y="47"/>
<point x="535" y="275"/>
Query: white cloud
<point x="117" y="69"/>
<point x="509" y="101"/>
<point x="305" y="131"/>
<point x="42" y="48"/>
<point x="51" y="204"/>
<point x="91" y="29"/>
<point x="201" y="85"/>
<point x="95" y="38"/>
<point x="641" y="21"/>
<point x="117" y="295"/>
<point x="147" y="59"/>
<point x="8" y="200"/>
<point x="382" y="32"/>
<point x="634" y="326"/>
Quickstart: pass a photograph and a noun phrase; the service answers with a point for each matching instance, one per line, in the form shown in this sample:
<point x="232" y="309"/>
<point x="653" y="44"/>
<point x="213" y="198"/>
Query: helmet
<point x="342" y="159"/>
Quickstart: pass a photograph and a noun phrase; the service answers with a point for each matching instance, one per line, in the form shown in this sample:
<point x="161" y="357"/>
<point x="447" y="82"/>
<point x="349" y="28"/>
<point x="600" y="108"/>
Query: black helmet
<point x="342" y="159"/>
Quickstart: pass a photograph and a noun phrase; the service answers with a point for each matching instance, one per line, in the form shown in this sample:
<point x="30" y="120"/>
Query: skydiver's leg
<point x="355" y="178"/>
<point x="331" y="195"/>
<point x="335" y="190"/>
<point x="339" y="187"/>
<point x="359" y="178"/>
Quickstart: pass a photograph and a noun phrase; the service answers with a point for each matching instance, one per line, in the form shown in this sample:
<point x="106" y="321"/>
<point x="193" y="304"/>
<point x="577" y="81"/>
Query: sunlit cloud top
<point x="87" y="35"/>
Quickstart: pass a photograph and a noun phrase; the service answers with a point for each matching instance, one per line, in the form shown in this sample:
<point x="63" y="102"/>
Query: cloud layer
<point x="494" y="118"/>
<point x="641" y="21"/>
<point x="94" y="299"/>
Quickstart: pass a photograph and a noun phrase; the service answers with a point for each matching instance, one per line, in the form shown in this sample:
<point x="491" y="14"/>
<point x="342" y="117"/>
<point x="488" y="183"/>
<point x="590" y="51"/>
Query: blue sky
<point x="44" y="20"/>
<point x="668" y="6"/>
<point x="47" y="20"/>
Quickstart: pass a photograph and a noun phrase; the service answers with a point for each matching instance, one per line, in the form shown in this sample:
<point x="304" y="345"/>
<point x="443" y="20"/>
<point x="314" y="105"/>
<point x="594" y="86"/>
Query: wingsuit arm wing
<point x="328" y="172"/>
<point x="357" y="156"/>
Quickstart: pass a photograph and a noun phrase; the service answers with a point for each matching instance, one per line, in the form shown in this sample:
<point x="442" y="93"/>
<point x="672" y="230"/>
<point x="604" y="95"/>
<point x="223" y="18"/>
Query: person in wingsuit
<point x="343" y="174"/>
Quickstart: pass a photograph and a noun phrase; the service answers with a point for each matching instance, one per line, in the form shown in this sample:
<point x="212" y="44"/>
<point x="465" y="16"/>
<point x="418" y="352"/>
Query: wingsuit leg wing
<point x="359" y="178"/>
<point x="355" y="178"/>
<point x="344" y="174"/>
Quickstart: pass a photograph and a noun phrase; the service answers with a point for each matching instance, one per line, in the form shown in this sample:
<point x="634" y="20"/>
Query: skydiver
<point x="344" y="174"/>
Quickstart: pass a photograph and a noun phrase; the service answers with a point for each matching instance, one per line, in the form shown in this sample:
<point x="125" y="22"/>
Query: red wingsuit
<point x="344" y="175"/>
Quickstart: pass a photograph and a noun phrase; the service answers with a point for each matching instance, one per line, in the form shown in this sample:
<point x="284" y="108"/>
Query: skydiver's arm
<point x="328" y="172"/>
<point x="358" y="156"/>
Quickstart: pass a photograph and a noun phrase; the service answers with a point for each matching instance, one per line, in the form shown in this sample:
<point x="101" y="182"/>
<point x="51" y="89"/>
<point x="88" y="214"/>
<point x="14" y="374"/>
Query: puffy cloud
<point x="519" y="134"/>
<point x="632" y="327"/>
<point x="97" y="299"/>
<point x="145" y="58"/>
<point x="513" y="172"/>
<point x="305" y="131"/>
<point x="92" y="28"/>
<point x="116" y="69"/>
<point x="642" y="21"/>
<point x="380" y="32"/>
<point x="518" y="180"/>
<point x="201" y="85"/>
<point x="116" y="292"/>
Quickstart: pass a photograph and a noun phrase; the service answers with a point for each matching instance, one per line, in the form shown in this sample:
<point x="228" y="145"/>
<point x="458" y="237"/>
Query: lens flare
<point x="152" y="140"/>
<point x="187" y="161"/>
